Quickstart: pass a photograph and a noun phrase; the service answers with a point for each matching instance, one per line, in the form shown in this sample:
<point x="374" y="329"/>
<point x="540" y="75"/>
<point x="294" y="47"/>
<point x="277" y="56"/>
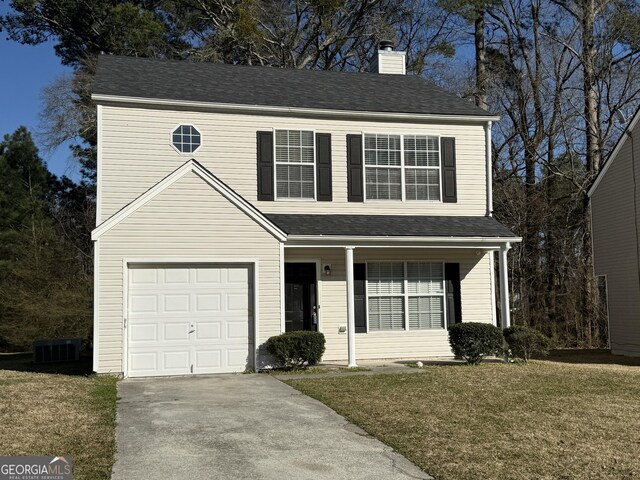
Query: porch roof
<point x="385" y="226"/>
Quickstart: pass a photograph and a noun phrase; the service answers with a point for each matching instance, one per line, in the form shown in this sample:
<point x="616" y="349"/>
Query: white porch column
<point x="351" y="316"/>
<point x="505" y="313"/>
<point x="492" y="279"/>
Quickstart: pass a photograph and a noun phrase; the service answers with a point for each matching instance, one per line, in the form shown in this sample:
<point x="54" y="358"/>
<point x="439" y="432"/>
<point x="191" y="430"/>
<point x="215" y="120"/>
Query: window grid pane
<point x="295" y="164"/>
<point x="426" y="313"/>
<point x="425" y="278"/>
<point x="421" y="151"/>
<point x="382" y="150"/>
<point x="385" y="278"/>
<point x="384" y="183"/>
<point x="386" y="313"/>
<point x="422" y="184"/>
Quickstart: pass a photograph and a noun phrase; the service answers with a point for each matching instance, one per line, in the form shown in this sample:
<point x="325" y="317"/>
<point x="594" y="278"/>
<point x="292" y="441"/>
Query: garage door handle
<point x="192" y="328"/>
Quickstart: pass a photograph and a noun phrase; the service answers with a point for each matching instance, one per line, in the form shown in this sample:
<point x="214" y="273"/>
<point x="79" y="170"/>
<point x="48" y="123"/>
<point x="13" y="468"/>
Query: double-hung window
<point x="383" y="167"/>
<point x="295" y="164"/>
<point x="405" y="295"/>
<point x="402" y="167"/>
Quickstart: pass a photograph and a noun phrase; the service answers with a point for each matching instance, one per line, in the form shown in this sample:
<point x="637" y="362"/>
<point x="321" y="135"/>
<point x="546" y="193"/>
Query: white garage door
<point x="188" y="319"/>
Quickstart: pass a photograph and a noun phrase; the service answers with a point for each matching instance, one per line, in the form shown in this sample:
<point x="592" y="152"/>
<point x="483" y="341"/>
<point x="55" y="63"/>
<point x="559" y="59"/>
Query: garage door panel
<point x="208" y="276"/>
<point x="144" y="332"/>
<point x="144" y="362"/>
<point x="145" y="276"/>
<point x="176" y="332"/>
<point x="189" y="320"/>
<point x="176" y="276"/>
<point x="208" y="359"/>
<point x="176" y="302"/>
<point x="207" y="330"/>
<point x="236" y="358"/>
<point x="208" y="302"/>
<point x="143" y="303"/>
<point x="237" y="276"/>
<point x="177" y="360"/>
<point x="238" y="302"/>
<point x="237" y="331"/>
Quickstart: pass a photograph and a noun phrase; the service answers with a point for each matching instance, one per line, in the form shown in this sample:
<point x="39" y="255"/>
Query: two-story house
<point x="616" y="239"/>
<point x="235" y="203"/>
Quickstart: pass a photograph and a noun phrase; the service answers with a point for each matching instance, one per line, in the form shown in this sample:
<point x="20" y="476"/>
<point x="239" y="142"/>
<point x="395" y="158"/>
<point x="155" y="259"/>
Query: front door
<point x="300" y="297"/>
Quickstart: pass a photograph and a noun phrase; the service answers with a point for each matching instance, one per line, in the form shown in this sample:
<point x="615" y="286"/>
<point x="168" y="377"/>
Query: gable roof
<point x="391" y="226"/>
<point x="614" y="153"/>
<point x="195" y="167"/>
<point x="275" y="87"/>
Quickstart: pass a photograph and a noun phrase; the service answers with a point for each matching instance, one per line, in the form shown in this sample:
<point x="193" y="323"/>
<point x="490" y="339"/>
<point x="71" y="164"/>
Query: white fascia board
<point x="204" y="174"/>
<point x="489" y="243"/>
<point x="311" y="112"/>
<point x="612" y="156"/>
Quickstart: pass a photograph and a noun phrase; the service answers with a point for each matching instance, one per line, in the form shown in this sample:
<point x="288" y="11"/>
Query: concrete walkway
<point x="241" y="427"/>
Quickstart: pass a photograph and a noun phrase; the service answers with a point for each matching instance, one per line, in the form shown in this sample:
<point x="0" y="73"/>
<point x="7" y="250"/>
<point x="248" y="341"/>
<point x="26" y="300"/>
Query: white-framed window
<point x="383" y="166"/>
<point x="295" y="160"/>
<point x="186" y="138"/>
<point x="402" y="167"/>
<point x="405" y="296"/>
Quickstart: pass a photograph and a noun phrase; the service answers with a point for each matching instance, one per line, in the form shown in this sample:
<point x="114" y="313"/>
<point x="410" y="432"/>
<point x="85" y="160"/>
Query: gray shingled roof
<point x="390" y="225"/>
<point x="279" y="87"/>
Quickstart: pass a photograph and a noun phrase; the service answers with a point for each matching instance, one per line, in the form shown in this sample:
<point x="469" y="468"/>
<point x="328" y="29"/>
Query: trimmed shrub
<point x="526" y="341"/>
<point x="296" y="349"/>
<point x="473" y="341"/>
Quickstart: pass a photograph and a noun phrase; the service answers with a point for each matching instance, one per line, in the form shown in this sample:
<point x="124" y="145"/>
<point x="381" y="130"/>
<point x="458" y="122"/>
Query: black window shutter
<point x="265" y="166"/>
<point x="449" y="187"/>
<point x="323" y="167"/>
<point x="360" y="296"/>
<point x="354" y="168"/>
<point x="452" y="293"/>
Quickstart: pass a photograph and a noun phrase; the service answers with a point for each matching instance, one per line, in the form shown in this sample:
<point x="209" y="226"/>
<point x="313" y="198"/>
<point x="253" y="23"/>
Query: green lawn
<point x="59" y="414"/>
<point x="544" y="420"/>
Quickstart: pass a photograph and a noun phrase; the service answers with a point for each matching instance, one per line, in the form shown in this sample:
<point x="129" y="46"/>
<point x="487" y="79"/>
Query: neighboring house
<point x="236" y="203"/>
<point x="616" y="248"/>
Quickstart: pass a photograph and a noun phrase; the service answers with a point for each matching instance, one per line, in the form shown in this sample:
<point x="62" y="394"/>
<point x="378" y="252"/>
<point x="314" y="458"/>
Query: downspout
<point x="492" y="276"/>
<point x="487" y="134"/>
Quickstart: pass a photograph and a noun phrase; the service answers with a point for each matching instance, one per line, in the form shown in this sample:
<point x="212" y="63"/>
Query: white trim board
<point x="96" y="306"/>
<point x="274" y="110"/>
<point x="207" y="176"/>
<point x="612" y="156"/>
<point x="99" y="131"/>
<point x="487" y="243"/>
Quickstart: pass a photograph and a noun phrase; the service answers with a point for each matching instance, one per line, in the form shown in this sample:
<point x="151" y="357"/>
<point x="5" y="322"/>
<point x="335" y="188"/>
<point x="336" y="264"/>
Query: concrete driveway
<point x="241" y="427"/>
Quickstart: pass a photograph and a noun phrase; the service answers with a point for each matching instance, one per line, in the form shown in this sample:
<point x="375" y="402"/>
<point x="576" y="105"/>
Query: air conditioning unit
<point x="61" y="350"/>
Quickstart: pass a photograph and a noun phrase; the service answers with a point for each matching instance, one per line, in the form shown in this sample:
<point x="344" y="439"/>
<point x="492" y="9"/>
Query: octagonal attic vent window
<point x="186" y="139"/>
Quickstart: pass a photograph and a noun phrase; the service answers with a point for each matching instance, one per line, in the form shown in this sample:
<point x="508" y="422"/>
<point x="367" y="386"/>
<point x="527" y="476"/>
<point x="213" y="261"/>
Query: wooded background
<point x="563" y="74"/>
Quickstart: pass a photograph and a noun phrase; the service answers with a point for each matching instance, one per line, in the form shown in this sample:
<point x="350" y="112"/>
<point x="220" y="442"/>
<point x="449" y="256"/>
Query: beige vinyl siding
<point x="136" y="153"/>
<point x="475" y="296"/>
<point x="189" y="220"/>
<point x="615" y="250"/>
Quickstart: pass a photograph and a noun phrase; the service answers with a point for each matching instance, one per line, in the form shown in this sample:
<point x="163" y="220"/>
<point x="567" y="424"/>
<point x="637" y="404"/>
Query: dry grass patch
<point x="543" y="420"/>
<point x="55" y="414"/>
